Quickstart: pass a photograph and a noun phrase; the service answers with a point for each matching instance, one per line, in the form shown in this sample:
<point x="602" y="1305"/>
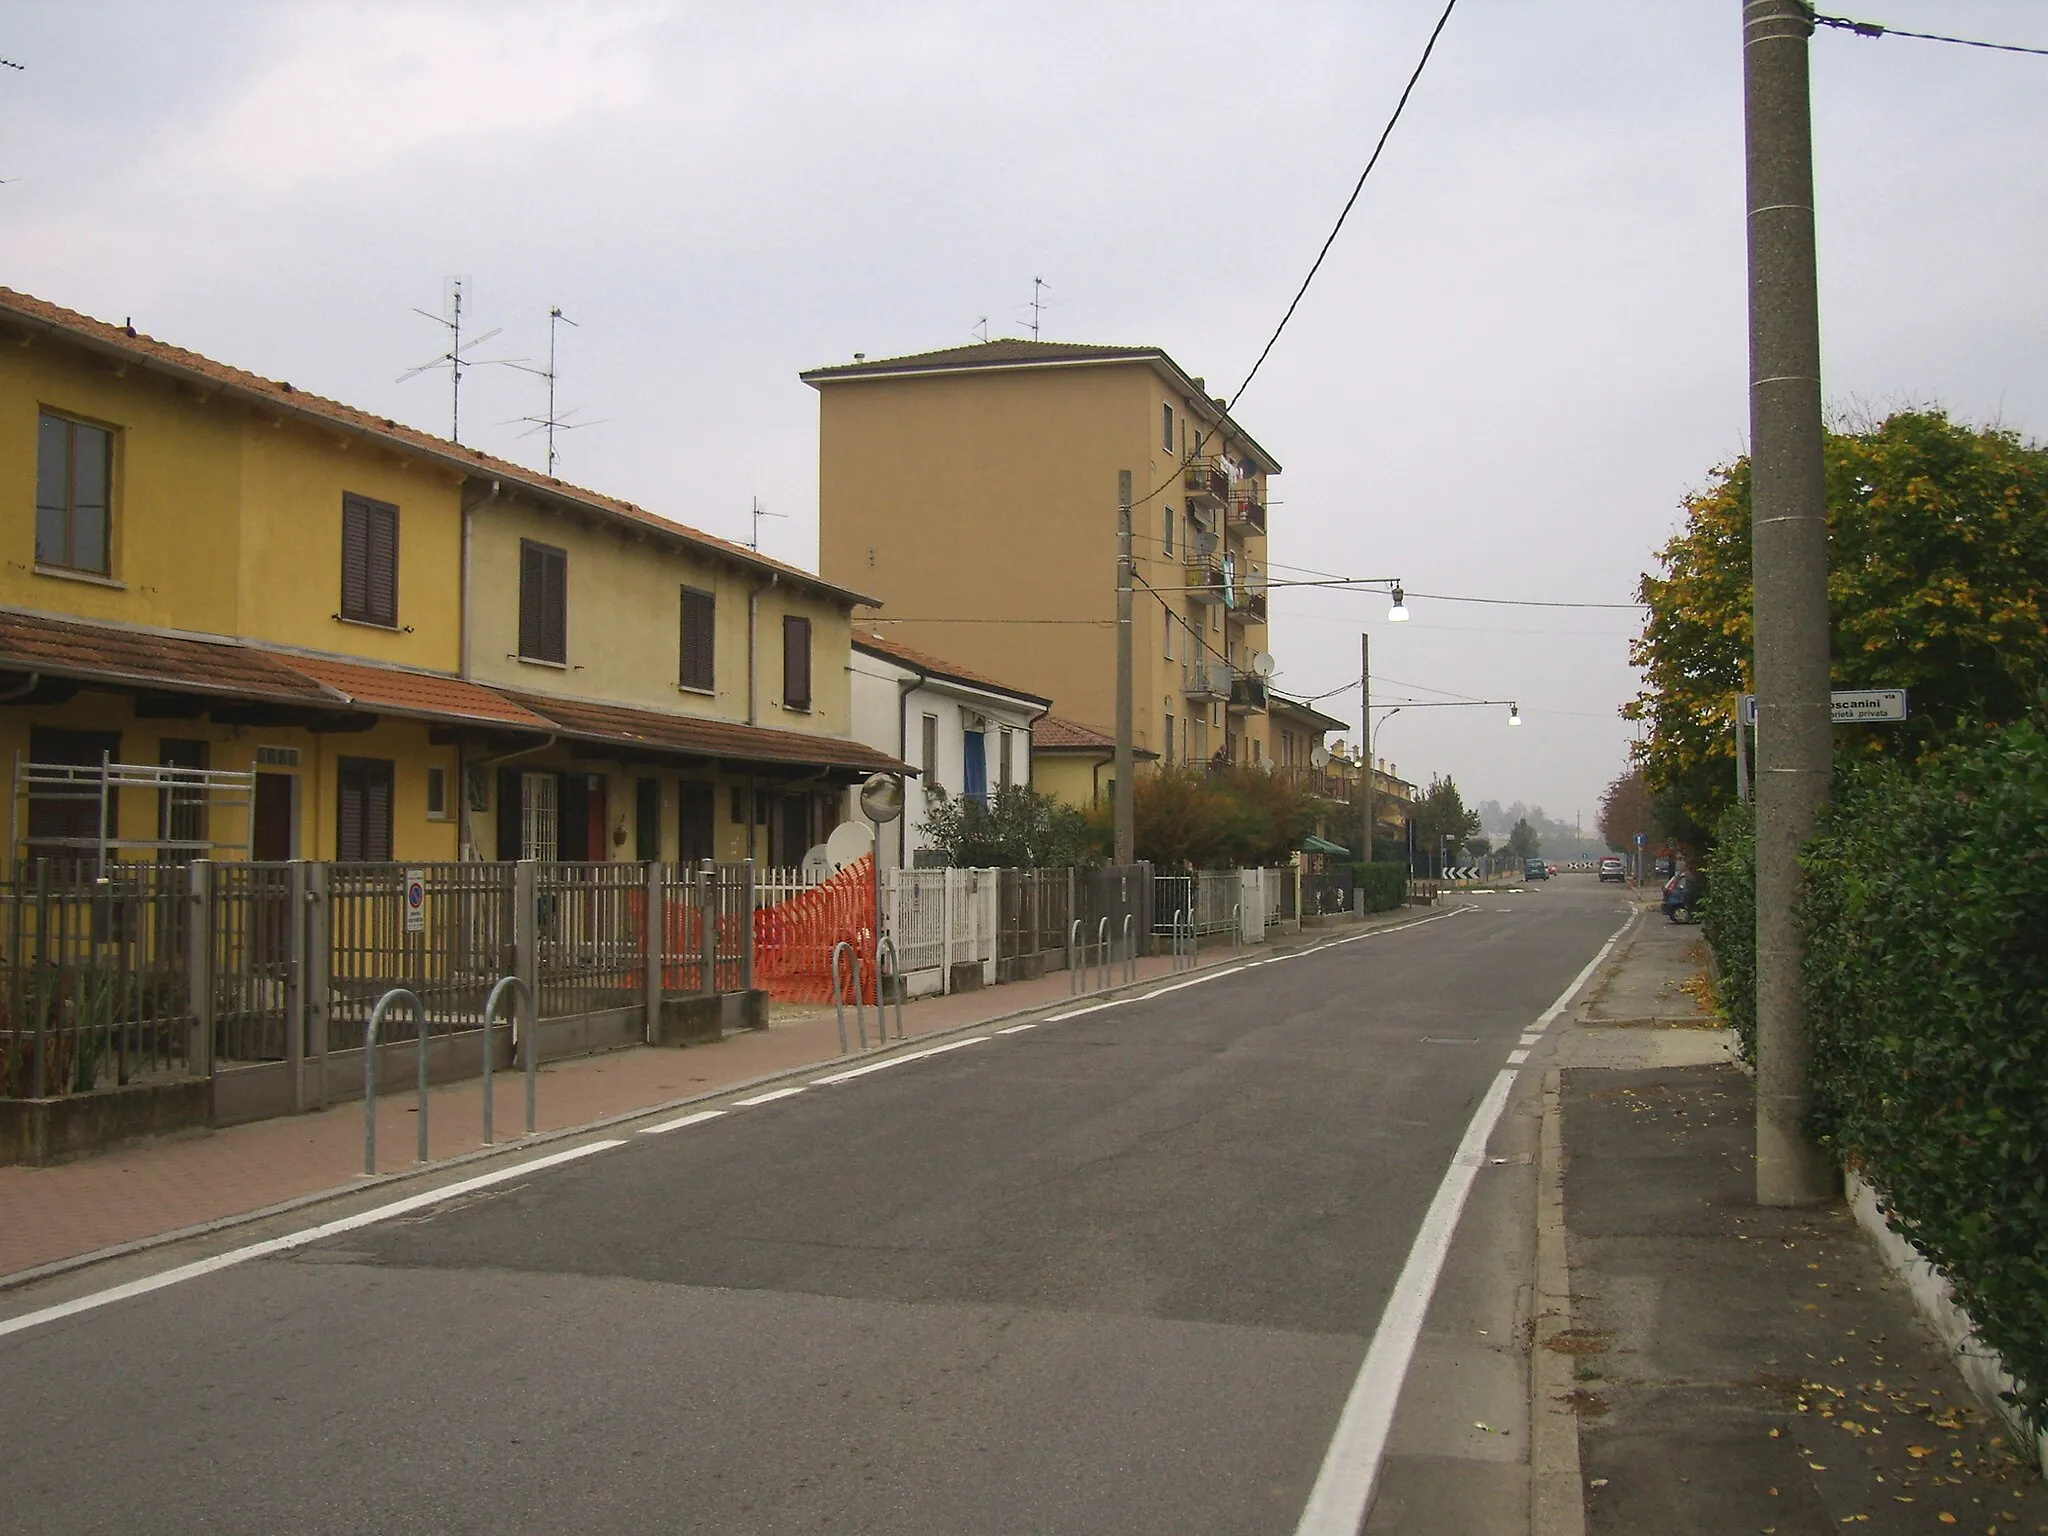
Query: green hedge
<point x="1926" y="914"/>
<point x="1385" y="885"/>
<point x="1728" y="917"/>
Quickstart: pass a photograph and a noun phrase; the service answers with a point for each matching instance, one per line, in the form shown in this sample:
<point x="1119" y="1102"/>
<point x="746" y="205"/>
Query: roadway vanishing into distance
<point x="1114" y="1272"/>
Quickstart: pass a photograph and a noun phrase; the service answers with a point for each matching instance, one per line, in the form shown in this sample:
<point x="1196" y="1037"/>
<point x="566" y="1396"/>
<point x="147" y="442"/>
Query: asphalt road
<point x="1113" y="1274"/>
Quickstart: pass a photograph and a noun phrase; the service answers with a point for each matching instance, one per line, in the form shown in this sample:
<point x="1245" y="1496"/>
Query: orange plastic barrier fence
<point x="794" y="940"/>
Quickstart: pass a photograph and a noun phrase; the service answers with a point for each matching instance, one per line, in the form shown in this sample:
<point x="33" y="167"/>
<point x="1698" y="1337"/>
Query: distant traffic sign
<point x="1849" y="706"/>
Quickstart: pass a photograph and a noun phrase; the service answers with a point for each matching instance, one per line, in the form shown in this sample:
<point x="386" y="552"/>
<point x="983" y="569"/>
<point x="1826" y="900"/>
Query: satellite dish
<point x="881" y="797"/>
<point x="849" y="842"/>
<point x="1268" y="766"/>
<point x="1319" y="757"/>
<point x="817" y="864"/>
<point x="1262" y="663"/>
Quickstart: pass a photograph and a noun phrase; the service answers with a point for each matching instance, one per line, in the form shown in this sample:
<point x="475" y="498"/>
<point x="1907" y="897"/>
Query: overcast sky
<point x="1526" y="347"/>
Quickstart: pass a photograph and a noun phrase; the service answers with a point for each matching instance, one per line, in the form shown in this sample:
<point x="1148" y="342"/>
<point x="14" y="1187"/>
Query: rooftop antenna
<point x="550" y="423"/>
<point x="754" y="543"/>
<point x="455" y="358"/>
<point x="1037" y="304"/>
<point x="981" y="329"/>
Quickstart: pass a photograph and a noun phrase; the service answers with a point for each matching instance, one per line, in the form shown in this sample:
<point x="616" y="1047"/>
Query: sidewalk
<point x="126" y="1196"/>
<point x="1731" y="1368"/>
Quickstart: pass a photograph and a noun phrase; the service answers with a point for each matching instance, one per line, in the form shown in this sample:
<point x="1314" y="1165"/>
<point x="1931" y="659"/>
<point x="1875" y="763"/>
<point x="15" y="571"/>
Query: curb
<point x="424" y="1172"/>
<point x="1557" y="1493"/>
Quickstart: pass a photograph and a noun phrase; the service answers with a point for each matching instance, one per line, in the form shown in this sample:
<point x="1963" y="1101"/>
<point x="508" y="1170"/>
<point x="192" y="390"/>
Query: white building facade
<point x="965" y="734"/>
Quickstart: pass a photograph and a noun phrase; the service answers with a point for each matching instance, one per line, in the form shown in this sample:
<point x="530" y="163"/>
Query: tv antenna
<point x="760" y="512"/>
<point x="980" y="332"/>
<point x="1037" y="304"/>
<point x="455" y="358"/>
<point x="550" y="423"/>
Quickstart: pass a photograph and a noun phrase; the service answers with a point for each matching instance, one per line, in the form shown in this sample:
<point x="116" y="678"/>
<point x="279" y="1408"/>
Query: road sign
<point x="415" y="901"/>
<point x="1849" y="706"/>
<point x="1641" y="838"/>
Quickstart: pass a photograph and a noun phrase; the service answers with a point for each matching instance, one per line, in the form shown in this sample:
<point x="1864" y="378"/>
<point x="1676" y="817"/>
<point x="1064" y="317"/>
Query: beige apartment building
<point x="974" y="491"/>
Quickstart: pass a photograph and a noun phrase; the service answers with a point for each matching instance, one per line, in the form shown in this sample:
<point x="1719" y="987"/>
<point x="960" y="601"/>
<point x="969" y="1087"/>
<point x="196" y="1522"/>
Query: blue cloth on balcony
<point x="976" y="759"/>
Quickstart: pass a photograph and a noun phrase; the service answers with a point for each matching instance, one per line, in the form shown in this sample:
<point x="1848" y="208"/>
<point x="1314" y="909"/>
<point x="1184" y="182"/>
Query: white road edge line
<point x="676" y="1125"/>
<point x="1016" y="1029"/>
<point x="1516" y="1058"/>
<point x="285" y="1244"/>
<point x="893" y="1061"/>
<point x="765" y="1098"/>
<point x="1344" y="1489"/>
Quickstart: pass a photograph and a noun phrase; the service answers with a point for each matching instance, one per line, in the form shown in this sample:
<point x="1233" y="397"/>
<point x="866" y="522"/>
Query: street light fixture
<point x="1398" y="614"/>
<point x="1514" y="714"/>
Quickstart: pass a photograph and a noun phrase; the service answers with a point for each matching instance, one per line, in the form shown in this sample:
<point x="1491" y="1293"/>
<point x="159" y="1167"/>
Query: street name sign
<point x="1849" y="706"/>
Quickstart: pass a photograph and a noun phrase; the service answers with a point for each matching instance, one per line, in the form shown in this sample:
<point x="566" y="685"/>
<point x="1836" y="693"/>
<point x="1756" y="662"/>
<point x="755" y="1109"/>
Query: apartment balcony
<point x="1206" y="484"/>
<point x="1248" y="509"/>
<point x="1202" y="575"/>
<point x="1248" y="607"/>
<point x="1248" y="696"/>
<point x="1205" y="682"/>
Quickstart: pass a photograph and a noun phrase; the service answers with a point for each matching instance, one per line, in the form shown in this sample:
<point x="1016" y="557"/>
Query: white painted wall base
<point x="1982" y="1367"/>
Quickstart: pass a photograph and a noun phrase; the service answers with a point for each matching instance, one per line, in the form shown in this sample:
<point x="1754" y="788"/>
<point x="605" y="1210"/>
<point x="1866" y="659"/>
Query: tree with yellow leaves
<point x="1937" y="583"/>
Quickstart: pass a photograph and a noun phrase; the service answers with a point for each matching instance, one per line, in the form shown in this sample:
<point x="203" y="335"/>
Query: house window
<point x="437" y="794"/>
<point x="369" y="561"/>
<point x="543" y="602"/>
<point x="694" y="837"/>
<point x="1166" y="427"/>
<point x="700" y="634"/>
<point x="362" y="833"/>
<point x="74" y="480"/>
<point x="974" y="765"/>
<point x="1169" y="741"/>
<point x="539" y="816"/>
<point x="796" y="662"/>
<point x="1003" y="759"/>
<point x="647" y="820"/>
<point x="1166" y="537"/>
<point x="928" y="754"/>
<point x="1166" y="630"/>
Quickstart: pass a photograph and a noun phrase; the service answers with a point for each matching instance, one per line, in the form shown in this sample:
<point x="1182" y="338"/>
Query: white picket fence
<point x="938" y="919"/>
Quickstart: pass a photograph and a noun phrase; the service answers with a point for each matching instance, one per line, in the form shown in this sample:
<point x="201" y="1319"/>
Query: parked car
<point x="1612" y="868"/>
<point x="1681" y="896"/>
<point x="1535" y="869"/>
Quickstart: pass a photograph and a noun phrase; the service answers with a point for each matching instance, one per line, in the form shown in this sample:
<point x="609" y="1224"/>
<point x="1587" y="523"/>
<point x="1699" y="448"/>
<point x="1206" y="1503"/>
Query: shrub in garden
<point x="1926" y="916"/>
<point x="1728" y="917"/>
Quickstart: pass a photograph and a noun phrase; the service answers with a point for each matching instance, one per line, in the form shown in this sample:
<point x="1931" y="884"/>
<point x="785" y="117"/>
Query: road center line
<point x="285" y="1244"/>
<point x="676" y="1125"/>
<point x="893" y="1061"/>
<point x="766" y="1098"/>
<point x="1516" y="1058"/>
<point x="1351" y="1467"/>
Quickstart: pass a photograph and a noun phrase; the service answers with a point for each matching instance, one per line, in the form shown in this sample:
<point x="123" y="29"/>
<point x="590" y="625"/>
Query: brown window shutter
<point x="355" y="559"/>
<point x="377" y="812"/>
<point x="383" y="564"/>
<point x="543" y="602"/>
<point x="796" y="662"/>
<point x="700" y="638"/>
<point x="348" y="817"/>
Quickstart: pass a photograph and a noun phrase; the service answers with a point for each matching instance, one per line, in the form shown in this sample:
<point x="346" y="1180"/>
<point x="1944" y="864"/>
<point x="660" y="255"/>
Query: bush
<point x="1728" y="918"/>
<point x="1385" y="885"/>
<point x="1017" y="828"/>
<point x="1927" y="987"/>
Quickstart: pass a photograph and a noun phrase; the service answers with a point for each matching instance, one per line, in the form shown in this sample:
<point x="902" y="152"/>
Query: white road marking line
<point x="676" y="1125"/>
<point x="1534" y="1037"/>
<point x="893" y="1061"/>
<point x="765" y="1098"/>
<point x="1016" y="1029"/>
<point x="1516" y="1058"/>
<point x="1351" y="1467"/>
<point x="285" y="1244"/>
<point x="1075" y="1013"/>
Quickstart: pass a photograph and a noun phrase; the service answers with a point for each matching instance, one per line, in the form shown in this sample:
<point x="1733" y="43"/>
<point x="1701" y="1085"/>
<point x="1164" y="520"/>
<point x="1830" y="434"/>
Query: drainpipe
<point x="904" y="689"/>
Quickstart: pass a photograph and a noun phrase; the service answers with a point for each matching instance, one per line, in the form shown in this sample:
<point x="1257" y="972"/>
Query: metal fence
<point x="1033" y="909"/>
<point x="92" y="979"/>
<point x="1326" y="892"/>
<point x="591" y="931"/>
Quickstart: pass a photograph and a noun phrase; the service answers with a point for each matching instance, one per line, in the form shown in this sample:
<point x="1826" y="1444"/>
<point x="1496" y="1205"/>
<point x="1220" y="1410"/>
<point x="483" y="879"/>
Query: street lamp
<point x="1398" y="614"/>
<point x="1514" y="714"/>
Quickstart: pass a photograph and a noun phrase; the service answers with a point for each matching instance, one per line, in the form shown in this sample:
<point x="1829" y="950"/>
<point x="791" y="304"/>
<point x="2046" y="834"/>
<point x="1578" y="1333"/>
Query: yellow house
<point x="1075" y="763"/>
<point x="274" y="617"/>
<point x="974" y="490"/>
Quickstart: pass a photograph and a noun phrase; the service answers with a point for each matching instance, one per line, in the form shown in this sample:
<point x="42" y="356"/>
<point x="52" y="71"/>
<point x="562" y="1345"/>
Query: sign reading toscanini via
<point x="1849" y="706"/>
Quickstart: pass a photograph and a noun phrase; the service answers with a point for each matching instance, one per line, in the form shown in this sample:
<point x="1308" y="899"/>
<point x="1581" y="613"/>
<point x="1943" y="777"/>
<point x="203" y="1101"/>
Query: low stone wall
<point x="695" y="1019"/>
<point x="40" y="1132"/>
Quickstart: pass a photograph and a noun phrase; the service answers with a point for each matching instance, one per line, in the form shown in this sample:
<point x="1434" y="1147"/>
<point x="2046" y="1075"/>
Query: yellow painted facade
<point x="1070" y="779"/>
<point x="980" y="504"/>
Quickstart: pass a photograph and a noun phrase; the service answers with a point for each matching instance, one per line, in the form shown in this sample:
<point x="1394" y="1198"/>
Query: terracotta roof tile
<point x="988" y="354"/>
<point x="386" y="690"/>
<point x="924" y="661"/>
<point x="1057" y="734"/>
<point x="700" y="737"/>
<point x="31" y="642"/>
<point x="127" y="342"/>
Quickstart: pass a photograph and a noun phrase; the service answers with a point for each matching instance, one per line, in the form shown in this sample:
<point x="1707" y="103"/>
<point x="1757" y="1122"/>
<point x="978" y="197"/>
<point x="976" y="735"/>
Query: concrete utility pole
<point x="1365" y="736"/>
<point x="1126" y="819"/>
<point x="1789" y="561"/>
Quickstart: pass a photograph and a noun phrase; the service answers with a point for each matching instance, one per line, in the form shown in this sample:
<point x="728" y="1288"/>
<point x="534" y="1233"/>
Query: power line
<point x="1874" y="29"/>
<point x="1385" y="134"/>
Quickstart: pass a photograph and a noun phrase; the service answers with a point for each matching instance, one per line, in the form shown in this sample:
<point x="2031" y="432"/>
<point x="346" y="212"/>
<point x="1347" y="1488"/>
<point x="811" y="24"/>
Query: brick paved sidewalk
<point x="124" y="1196"/>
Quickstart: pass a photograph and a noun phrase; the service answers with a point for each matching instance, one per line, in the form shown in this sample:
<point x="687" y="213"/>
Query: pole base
<point x="1790" y="1170"/>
